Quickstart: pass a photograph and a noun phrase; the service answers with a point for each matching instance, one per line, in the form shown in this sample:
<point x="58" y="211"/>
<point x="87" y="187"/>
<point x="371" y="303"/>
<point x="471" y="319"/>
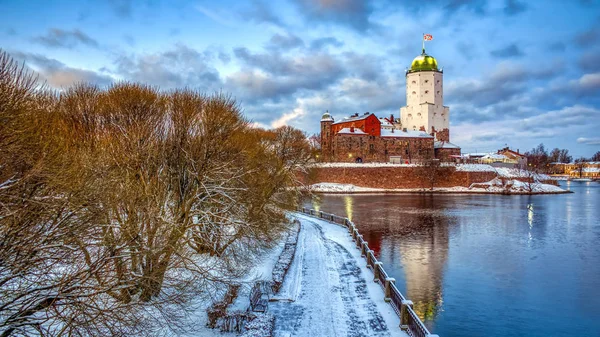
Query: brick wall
<point x="346" y="148"/>
<point x="395" y="177"/>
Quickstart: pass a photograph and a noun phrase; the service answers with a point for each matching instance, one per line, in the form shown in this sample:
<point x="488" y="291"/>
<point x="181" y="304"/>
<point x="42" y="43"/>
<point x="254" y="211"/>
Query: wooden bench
<point x="257" y="302"/>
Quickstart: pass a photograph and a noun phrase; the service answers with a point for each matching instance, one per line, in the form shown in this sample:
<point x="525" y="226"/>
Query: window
<point x="426" y="81"/>
<point x="414" y="92"/>
<point x="438" y="92"/>
<point x="438" y="81"/>
<point x="426" y="91"/>
<point x="419" y="114"/>
<point x="414" y="82"/>
<point x="409" y="115"/>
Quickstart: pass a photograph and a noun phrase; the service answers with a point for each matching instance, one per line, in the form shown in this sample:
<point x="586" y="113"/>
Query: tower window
<point x="438" y="92"/>
<point x="426" y="91"/>
<point x="419" y="114"/>
<point x="414" y="92"/>
<point x="414" y="82"/>
<point x="438" y="81"/>
<point x="426" y="81"/>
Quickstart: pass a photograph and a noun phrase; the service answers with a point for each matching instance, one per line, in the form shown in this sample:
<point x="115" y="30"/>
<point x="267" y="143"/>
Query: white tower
<point x="425" y="108"/>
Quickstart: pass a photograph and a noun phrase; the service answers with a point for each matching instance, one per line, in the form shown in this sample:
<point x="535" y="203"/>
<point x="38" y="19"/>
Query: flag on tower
<point x="427" y="37"/>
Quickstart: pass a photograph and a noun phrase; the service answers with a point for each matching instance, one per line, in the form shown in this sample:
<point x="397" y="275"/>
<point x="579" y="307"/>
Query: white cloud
<point x="588" y="141"/>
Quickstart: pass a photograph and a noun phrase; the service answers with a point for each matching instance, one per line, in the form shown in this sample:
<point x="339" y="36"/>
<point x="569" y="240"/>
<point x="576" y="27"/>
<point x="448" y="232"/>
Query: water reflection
<point x="492" y="265"/>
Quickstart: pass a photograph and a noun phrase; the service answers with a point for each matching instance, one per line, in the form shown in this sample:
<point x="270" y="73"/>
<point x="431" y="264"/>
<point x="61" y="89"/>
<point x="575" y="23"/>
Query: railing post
<point x="369" y="261"/>
<point x="365" y="249"/>
<point x="388" y="288"/>
<point x="404" y="314"/>
<point x="354" y="234"/>
<point x="320" y="215"/>
<point x="376" y="275"/>
<point x="358" y="240"/>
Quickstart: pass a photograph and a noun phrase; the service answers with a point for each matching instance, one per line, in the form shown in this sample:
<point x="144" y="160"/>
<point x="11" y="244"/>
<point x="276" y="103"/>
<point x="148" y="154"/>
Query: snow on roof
<point x="495" y="156"/>
<point x="385" y="122"/>
<point x="445" y="145"/>
<point x="591" y="169"/>
<point x="354" y="118"/>
<point x="348" y="131"/>
<point x="404" y="134"/>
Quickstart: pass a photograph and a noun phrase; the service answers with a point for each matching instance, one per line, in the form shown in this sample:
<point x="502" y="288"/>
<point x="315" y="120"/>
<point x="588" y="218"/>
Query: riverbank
<point x="492" y="187"/>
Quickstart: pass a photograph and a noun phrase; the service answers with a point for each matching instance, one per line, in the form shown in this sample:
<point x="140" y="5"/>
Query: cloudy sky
<point x="515" y="72"/>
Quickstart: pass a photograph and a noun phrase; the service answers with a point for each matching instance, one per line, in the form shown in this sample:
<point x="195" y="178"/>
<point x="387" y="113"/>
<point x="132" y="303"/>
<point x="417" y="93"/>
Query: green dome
<point x="424" y="62"/>
<point x="326" y="117"/>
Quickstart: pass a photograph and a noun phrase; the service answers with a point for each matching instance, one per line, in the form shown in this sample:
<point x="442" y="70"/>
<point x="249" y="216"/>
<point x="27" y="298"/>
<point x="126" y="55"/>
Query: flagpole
<point x="423" y="43"/>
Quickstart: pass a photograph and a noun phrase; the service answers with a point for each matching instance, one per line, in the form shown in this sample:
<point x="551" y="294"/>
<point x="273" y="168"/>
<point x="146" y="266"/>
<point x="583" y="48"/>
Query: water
<point x="488" y="265"/>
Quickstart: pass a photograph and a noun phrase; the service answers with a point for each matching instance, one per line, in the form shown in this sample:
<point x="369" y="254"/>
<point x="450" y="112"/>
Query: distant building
<point x="502" y="158"/>
<point x="588" y="170"/>
<point x="422" y="132"/>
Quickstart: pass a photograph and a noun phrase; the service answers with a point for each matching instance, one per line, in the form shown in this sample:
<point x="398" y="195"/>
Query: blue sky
<point x="515" y="72"/>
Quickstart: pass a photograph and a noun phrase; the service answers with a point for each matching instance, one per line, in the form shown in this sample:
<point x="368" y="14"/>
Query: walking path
<point x="328" y="291"/>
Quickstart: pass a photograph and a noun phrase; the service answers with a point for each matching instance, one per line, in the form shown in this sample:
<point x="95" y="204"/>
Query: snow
<point x="503" y="172"/>
<point x="364" y="165"/>
<point x="445" y="145"/>
<point x="591" y="169"/>
<point x="475" y="168"/>
<point x="495" y="185"/>
<point x="404" y="134"/>
<point x="328" y="290"/>
<point x="349" y="131"/>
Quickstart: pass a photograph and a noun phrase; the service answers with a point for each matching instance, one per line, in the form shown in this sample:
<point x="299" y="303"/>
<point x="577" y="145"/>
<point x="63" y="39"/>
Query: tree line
<point x="120" y="205"/>
<point x="539" y="159"/>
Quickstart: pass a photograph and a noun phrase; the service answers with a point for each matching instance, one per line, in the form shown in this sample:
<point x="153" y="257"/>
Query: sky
<point x="516" y="73"/>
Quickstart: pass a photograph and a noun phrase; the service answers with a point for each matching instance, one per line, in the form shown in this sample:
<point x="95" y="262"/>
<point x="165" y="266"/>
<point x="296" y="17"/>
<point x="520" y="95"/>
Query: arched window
<point x="419" y="114"/>
<point x="414" y="82"/>
<point x="438" y="92"/>
<point x="426" y="81"/>
<point x="426" y="91"/>
<point x="409" y="115"/>
<point x="414" y="92"/>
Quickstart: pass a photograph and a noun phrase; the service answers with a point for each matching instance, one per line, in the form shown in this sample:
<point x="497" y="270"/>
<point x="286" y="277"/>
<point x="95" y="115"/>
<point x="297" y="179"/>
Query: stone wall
<point x="347" y="148"/>
<point x="396" y="177"/>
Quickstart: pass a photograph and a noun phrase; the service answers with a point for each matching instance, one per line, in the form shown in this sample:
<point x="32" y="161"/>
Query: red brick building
<point x="422" y="133"/>
<point x="361" y="138"/>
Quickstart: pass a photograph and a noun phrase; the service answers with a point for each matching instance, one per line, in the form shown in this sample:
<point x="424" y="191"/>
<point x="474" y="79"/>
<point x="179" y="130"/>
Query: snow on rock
<point x="261" y="326"/>
<point x="285" y="259"/>
<point x="333" y="187"/>
<point x="328" y="291"/>
<point x="475" y="168"/>
<point x="363" y="165"/>
<point x="496" y="185"/>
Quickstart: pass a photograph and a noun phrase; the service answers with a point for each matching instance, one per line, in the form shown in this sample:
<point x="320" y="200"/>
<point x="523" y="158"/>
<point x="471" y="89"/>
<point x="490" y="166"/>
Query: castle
<point x="422" y="133"/>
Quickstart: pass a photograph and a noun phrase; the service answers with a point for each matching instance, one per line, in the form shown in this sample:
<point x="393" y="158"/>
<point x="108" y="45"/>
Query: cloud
<point x="564" y="118"/>
<point x="178" y="67"/>
<point x="287" y="117"/>
<point x="323" y="42"/>
<point x="59" y="75"/>
<point x="590" y="60"/>
<point x="588" y="84"/>
<point x="588" y="38"/>
<point x="514" y="7"/>
<point x="122" y="8"/>
<point x="284" y="42"/>
<point x="220" y="17"/>
<point x="350" y="13"/>
<point x="259" y="12"/>
<point x="58" y="38"/>
<point x="588" y="141"/>
<point x="511" y="50"/>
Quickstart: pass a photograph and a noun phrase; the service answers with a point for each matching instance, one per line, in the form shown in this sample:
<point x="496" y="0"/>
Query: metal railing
<point x="409" y="320"/>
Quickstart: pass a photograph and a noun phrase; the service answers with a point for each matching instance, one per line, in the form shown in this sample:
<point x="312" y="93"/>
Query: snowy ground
<point x="328" y="290"/>
<point x="493" y="186"/>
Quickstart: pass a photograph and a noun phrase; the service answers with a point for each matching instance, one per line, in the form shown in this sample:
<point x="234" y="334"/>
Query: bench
<point x="257" y="302"/>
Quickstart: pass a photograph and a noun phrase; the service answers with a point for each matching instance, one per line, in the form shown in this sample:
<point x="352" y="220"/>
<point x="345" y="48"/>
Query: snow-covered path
<point x="328" y="291"/>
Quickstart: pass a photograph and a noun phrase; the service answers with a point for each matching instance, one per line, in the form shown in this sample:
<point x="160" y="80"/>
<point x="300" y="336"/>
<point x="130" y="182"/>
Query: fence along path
<point x="409" y="320"/>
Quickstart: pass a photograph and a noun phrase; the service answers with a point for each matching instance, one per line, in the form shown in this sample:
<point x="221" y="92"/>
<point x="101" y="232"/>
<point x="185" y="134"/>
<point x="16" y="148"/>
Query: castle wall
<point x="347" y="148"/>
<point x="395" y="177"/>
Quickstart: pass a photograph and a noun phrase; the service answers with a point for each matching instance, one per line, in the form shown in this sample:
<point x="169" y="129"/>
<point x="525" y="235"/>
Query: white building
<point x="425" y="108"/>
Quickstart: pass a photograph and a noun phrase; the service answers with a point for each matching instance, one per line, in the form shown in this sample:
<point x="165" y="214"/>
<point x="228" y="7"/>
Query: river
<point x="488" y="265"/>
